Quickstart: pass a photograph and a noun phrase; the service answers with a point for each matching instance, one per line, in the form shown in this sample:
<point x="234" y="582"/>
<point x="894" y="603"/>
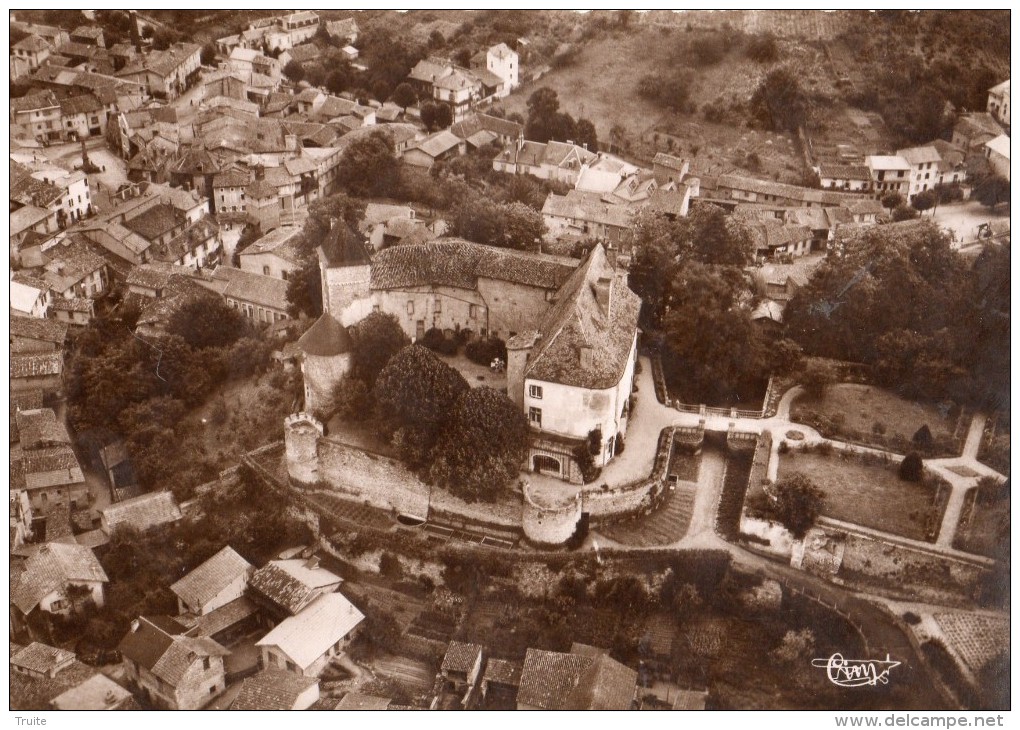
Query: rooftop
<point x="580" y="680"/>
<point x="461" y="657"/>
<point x="40" y="428"/>
<point x="141" y="513"/>
<point x="42" y="659"/>
<point x="211" y="577"/>
<point x="34" y="328"/>
<point x="168" y="656"/>
<point x="51" y="568"/>
<point x="312" y="632"/>
<point x="292" y="584"/>
<point x="325" y="338"/>
<point x="272" y="689"/>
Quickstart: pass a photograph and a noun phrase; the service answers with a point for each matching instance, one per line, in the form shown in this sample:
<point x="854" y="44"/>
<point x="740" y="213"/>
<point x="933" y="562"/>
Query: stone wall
<point x="321" y="376"/>
<point x="551" y="524"/>
<point x="378" y="480"/>
<point x="301" y="433"/>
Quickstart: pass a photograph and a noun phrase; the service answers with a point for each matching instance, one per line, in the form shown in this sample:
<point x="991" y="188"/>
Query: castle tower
<point x="301" y="434"/>
<point x="326" y="358"/>
<point x="346" y="272"/>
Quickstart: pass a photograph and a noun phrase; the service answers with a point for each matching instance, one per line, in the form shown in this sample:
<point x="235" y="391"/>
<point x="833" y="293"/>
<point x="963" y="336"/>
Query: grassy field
<point x="868" y="495"/>
<point x="981" y="533"/>
<point x="855" y="410"/>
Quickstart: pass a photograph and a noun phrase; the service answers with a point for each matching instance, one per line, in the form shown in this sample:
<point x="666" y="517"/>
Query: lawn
<point x="871" y="495"/>
<point x="980" y="533"/>
<point x="874" y="416"/>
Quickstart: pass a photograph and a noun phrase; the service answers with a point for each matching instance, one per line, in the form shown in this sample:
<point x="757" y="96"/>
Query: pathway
<point x="706" y="499"/>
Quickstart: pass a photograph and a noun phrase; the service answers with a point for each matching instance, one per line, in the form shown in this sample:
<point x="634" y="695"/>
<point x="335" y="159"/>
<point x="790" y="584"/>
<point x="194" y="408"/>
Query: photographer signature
<point x="856" y="672"/>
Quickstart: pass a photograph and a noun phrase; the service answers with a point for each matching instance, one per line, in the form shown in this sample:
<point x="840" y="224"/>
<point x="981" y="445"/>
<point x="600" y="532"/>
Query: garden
<point x="876" y="417"/>
<point x="866" y="490"/>
<point x="984" y="525"/>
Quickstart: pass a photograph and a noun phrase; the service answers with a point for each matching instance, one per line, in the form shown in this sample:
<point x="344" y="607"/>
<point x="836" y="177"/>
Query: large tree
<point x="304" y="289"/>
<point x="779" y="101"/>
<point x="207" y="322"/>
<point x="507" y="225"/>
<point x="369" y="167"/>
<point x="992" y="191"/>
<point x="796" y="503"/>
<point x="377" y="338"/>
<point x="414" y="395"/>
<point x="436" y="115"/>
<point x="482" y="446"/>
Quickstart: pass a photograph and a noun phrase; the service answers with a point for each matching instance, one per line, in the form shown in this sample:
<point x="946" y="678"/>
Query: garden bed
<point x="869" y="415"/>
<point x="731" y="501"/>
<point x="863" y="490"/>
<point x="982" y="522"/>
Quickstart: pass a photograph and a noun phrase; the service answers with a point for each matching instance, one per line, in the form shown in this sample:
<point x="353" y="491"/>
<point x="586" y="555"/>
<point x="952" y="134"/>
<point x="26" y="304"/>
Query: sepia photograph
<point x="558" y="360"/>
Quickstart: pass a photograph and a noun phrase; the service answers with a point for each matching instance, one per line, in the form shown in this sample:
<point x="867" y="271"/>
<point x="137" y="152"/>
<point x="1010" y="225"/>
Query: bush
<point x="911" y="618"/>
<point x="923" y="439"/>
<point x="619" y="445"/>
<point x="911" y="468"/>
<point x="483" y="352"/>
<point x="437" y="341"/>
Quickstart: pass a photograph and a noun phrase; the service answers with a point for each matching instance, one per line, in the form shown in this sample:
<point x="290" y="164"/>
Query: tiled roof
<point x="225" y="616"/>
<point x="74" y="304"/>
<point x="167" y="656"/>
<point x="284" y="242"/>
<point x="304" y="52"/>
<point x="232" y="178"/>
<point x="774" y="233"/>
<point x="42" y="658"/>
<point x="36" y="693"/>
<point x="35" y="328"/>
<point x="886" y="162"/>
<point x="920" y="155"/>
<point x="31" y="43"/>
<point x="577" y="681"/>
<point x="27" y="190"/>
<point x="670" y="161"/>
<point x="51" y="568"/>
<point x="838" y="171"/>
<point x="502" y="671"/>
<point x="211" y="577"/>
<point x="782" y="190"/>
<point x="578" y="320"/>
<point x="247" y="286"/>
<point x="153" y="275"/>
<point x="187" y="241"/>
<point x="272" y="689"/>
<point x="459" y="263"/>
<point x="588" y="207"/>
<point x="325" y="338"/>
<point x="141" y="513"/>
<point x="460" y="657"/>
<point x="156" y="221"/>
<point x="260" y="190"/>
<point x="319" y="626"/>
<point x="687" y="699"/>
<point x="37" y="365"/>
<point x="290" y="583"/>
<point x="971" y="125"/>
<point x="70" y="263"/>
<point x="669" y="202"/>
<point x="41" y="428"/>
<point x="431" y="68"/>
<point x="85" y="104"/>
<point x="864" y="206"/>
<point x="39" y="100"/>
<point x="358" y="701"/>
<point x="343" y="246"/>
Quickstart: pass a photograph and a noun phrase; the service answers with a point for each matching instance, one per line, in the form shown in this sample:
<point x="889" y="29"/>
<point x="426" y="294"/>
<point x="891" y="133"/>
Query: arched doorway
<point x="546" y="464"/>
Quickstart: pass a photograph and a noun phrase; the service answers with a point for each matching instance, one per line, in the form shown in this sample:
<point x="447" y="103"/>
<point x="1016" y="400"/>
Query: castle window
<point x="410" y="307"/>
<point x="439" y="306"/>
<point x="535" y="417"/>
<point x="535" y="391"/>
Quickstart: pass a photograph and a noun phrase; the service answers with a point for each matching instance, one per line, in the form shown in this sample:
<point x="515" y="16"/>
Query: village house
<point x="228" y="194"/>
<point x="83" y="116"/>
<point x="997" y="153"/>
<point x="28" y="54"/>
<point x="34" y="334"/>
<point x="585" y="679"/>
<point x="839" y="176"/>
<point x="276" y="254"/>
<point x="345" y="31"/>
<point x="141" y="513"/>
<point x="30" y="297"/>
<point x="924" y="168"/>
<point x="170" y="669"/>
<point x="306" y="643"/>
<point x="73" y="271"/>
<point x="38" y="114"/>
<point x="462" y="665"/>
<point x="40" y="661"/>
<point x="587" y="215"/>
<point x="573" y="374"/>
<point x="479" y="130"/>
<point x="219" y="580"/>
<point x="285" y="587"/>
<point x="547" y="161"/>
<point x="98" y="692"/>
<point x="669" y="168"/>
<point x="889" y="173"/>
<point x="774" y="239"/>
<point x="273" y="689"/>
<point x="752" y="190"/>
<point x="165" y="74"/>
<point x="38" y="428"/>
<point x="973" y="130"/>
<point x="37" y="371"/>
<point x="998" y="102"/>
<point x="57" y="578"/>
<point x="259" y="297"/>
<point x="442" y="145"/>
<point x="500" y="683"/>
<point x="76" y="312"/>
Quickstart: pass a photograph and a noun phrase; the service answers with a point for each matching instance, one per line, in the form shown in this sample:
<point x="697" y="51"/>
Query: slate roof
<point x="40" y="427"/>
<point x="36" y="365"/>
<point x="211" y="577"/>
<point x="272" y="689"/>
<point x="42" y="658"/>
<point x="502" y="671"/>
<point x="578" y="320"/>
<point x="35" y="328"/>
<point x="577" y="681"/>
<point x="326" y="338"/>
<point x="358" y="701"/>
<point x="167" y="656"/>
<point x="141" y="513"/>
<point x="308" y="635"/>
<point x="51" y="568"/>
<point x="460" y="657"/>
<point x="459" y="263"/>
<point x="290" y="584"/>
<point x="343" y="246"/>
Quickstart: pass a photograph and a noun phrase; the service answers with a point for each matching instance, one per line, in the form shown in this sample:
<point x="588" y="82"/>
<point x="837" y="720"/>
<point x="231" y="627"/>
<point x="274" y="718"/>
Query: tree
<point x="340" y="77"/>
<point x="507" y="225"/>
<point x="911" y="468"/>
<point x="992" y="191"/>
<point x="304" y="289"/>
<point x="891" y="200"/>
<point x="904" y="213"/>
<point x="817" y="377"/>
<point x="923" y="439"/>
<point x="369" y="167"/>
<point x="414" y="394"/>
<point x="207" y="322"/>
<point x="779" y="102"/>
<point x="585" y="134"/>
<point x="796" y="648"/>
<point x="796" y="503"/>
<point x="763" y="48"/>
<point x="208" y="56"/>
<point x="545" y="121"/>
<point x="924" y="200"/>
<point x="436" y="115"/>
<point x="482" y="447"/>
<point x="404" y="95"/>
<point x="324" y="212"/>
<point x="377" y="338"/>
<point x="294" y="71"/>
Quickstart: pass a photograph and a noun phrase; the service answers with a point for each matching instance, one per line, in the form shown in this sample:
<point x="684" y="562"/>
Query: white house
<point x="998" y="102"/>
<point x="502" y="61"/>
<point x="889" y="173"/>
<point x="216" y="582"/>
<point x="52" y="576"/>
<point x="997" y="152"/>
<point x="306" y="643"/>
<point x="924" y="168"/>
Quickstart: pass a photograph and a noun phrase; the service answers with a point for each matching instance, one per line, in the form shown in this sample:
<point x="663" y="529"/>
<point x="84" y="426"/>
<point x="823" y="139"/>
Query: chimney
<point x="135" y="625"/>
<point x="611" y="255"/>
<point x="585" y="357"/>
<point x="604" y="293"/>
<point x="312" y="563"/>
<point x="260" y="172"/>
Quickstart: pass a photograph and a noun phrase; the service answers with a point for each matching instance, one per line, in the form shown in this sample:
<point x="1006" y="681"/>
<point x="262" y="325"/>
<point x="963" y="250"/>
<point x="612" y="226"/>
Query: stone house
<point x="285" y="587"/>
<point x="216" y="582"/>
<point x="587" y="678"/>
<point x="889" y="173"/>
<point x="37" y="371"/>
<point x="33" y="334"/>
<point x="169" y="668"/>
<point x="276" y="254"/>
<point x="57" y="578"/>
<point x="308" y="641"/>
<point x="462" y="665"/>
<point x="272" y="689"/>
<point x="924" y="168"/>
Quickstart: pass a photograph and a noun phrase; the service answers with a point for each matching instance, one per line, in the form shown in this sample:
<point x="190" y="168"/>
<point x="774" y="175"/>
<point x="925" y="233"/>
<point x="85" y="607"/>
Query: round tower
<point x="302" y="432"/>
<point x="326" y="358"/>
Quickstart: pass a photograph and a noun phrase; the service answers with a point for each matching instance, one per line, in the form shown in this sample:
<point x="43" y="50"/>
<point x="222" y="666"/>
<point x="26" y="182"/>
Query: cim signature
<point x="856" y="672"/>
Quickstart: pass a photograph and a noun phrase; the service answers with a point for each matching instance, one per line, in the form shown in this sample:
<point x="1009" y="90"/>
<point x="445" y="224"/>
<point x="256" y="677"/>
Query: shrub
<point x="878" y="428"/>
<point x="923" y="439"/>
<point x="389" y="566"/>
<point x="437" y="341"/>
<point x="619" y="445"/>
<point x="911" y="468"/>
<point x="483" y="352"/>
<point x="911" y="618"/>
